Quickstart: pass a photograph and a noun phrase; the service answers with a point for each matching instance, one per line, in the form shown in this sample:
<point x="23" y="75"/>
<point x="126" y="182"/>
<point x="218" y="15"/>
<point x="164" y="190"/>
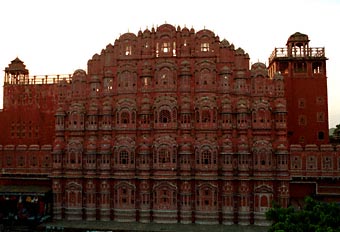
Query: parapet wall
<point x="314" y="161"/>
<point x="23" y="159"/>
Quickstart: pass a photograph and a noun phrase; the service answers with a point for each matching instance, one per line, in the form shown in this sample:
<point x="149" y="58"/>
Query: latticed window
<point x="204" y="47"/>
<point x="166" y="47"/>
<point x="327" y="162"/>
<point x="128" y="50"/>
<point x="123" y="157"/>
<point x="21" y="161"/>
<point x="206" y="157"/>
<point x="125" y="117"/>
<point x="164" y="116"/>
<point x="311" y="162"/>
<point x="206" y="116"/>
<point x="164" y="156"/>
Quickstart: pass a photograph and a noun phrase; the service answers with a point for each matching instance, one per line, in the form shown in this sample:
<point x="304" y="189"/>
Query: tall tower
<point x="304" y="71"/>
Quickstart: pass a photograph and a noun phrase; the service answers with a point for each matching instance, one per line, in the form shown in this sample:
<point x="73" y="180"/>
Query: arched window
<point x="206" y="157"/>
<point x="123" y="157"/>
<point x="125" y="117"/>
<point x="164" y="156"/>
<point x="164" y="116"/>
<point x="206" y="116"/>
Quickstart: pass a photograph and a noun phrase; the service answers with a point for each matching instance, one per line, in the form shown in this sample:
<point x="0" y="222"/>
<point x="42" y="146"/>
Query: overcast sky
<point x="58" y="37"/>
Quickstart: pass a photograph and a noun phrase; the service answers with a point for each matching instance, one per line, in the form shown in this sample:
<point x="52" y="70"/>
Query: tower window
<point x="300" y="67"/>
<point x="301" y="103"/>
<point x="320" y="117"/>
<point x="321" y="135"/>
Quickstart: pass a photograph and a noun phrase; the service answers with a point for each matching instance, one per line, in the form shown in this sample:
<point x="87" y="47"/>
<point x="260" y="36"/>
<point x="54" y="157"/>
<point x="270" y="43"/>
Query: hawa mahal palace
<point x="170" y="125"/>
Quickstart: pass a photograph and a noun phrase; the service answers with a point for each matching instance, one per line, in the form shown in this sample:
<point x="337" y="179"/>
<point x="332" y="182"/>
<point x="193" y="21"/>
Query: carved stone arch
<point x="244" y="188"/>
<point x="122" y="140"/>
<point x="79" y="75"/>
<point x="280" y="105"/>
<point x="165" y="152"/>
<point x="127" y="44"/>
<point x="185" y="187"/>
<point x="125" y="184"/>
<point x="228" y="188"/>
<point x="90" y="186"/>
<point x="124" y="151"/>
<point x="107" y="107"/>
<point x="166" y="74"/>
<point x="262" y="154"/>
<point x="129" y="103"/>
<point x="75" y="144"/>
<point x="242" y="105"/>
<point x="206" y="185"/>
<point x="165" y="184"/>
<point x="206" y="142"/>
<point x="259" y="70"/>
<point x="73" y="192"/>
<point x="263" y="197"/>
<point x="262" y="144"/>
<point x="205" y="34"/>
<point x="206" y="101"/>
<point x="261" y="104"/>
<point x="165" y="109"/>
<point x="206" y="152"/>
<point x="74" y="152"/>
<point x="226" y="105"/>
<point x="205" y="72"/>
<point x="126" y="111"/>
<point x="226" y="145"/>
<point x="165" y="195"/>
<point x="71" y="186"/>
<point x="243" y="146"/>
<point x="127" y="78"/>
<point x="264" y="189"/>
<point x="206" y="196"/>
<point x="77" y="107"/>
<point x="165" y="140"/>
<point x="166" y="30"/>
<point x="165" y="100"/>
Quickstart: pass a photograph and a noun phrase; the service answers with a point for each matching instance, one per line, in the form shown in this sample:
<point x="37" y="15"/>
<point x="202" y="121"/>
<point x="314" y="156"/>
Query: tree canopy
<point x="315" y="216"/>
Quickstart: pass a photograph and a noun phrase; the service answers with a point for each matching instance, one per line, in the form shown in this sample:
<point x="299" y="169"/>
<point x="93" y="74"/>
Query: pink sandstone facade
<point x="173" y="125"/>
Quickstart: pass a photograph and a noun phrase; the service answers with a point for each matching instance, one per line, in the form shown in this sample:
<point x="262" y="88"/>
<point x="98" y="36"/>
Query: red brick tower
<point x="304" y="70"/>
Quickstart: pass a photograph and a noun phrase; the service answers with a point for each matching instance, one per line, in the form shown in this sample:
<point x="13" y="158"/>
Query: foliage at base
<point x="315" y="216"/>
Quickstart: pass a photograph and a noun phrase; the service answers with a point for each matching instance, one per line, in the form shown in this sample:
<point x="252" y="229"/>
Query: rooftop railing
<point x="39" y="79"/>
<point x="297" y="52"/>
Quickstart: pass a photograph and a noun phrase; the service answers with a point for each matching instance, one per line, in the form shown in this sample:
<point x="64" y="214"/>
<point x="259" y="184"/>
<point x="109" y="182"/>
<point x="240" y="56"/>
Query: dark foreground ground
<point x="86" y="226"/>
<point x="110" y="226"/>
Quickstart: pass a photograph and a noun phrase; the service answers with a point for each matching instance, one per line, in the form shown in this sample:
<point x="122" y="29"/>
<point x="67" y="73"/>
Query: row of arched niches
<point x="167" y="76"/>
<point x="167" y="41"/>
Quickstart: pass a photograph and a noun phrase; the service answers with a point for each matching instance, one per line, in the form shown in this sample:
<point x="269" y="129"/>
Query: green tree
<point x="315" y="216"/>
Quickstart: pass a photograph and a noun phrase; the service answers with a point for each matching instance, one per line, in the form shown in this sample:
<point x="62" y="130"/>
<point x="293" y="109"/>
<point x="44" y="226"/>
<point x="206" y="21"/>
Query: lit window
<point x="128" y="50"/>
<point x="204" y="47"/>
<point x="166" y="47"/>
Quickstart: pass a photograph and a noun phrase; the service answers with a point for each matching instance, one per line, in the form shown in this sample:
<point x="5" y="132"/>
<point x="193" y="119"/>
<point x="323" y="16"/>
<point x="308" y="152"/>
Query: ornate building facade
<point x="169" y="125"/>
